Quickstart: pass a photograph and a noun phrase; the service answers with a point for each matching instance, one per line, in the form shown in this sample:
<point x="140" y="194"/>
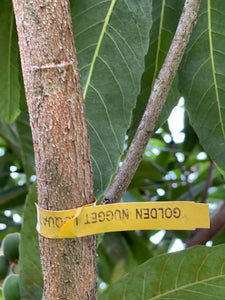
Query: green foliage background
<point x="121" y="46"/>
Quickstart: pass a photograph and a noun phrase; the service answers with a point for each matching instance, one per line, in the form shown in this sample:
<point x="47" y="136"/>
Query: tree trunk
<point x="60" y="137"/>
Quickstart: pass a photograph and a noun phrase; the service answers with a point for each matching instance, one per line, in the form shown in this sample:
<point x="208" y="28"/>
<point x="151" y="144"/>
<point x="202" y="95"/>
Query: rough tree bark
<point x="60" y="137"/>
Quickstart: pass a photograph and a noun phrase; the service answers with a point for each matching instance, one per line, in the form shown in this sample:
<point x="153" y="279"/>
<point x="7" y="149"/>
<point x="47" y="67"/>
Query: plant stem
<point x="155" y="104"/>
<point x="60" y="137"/>
<point x="217" y="224"/>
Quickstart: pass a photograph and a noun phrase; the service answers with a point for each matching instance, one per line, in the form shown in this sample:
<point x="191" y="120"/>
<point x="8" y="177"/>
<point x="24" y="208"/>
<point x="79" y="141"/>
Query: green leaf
<point x="9" y="82"/>
<point x="13" y="197"/>
<point x="195" y="273"/>
<point x="111" y="39"/>
<point x="112" y="249"/>
<point x="9" y="134"/>
<point x="147" y="173"/>
<point x="202" y="79"/>
<point x="25" y="137"/>
<point x="191" y="139"/>
<point x="5" y="164"/>
<point x="8" y="221"/>
<point x="121" y="251"/>
<point x="31" y="282"/>
<point x="166" y="15"/>
<point x="138" y="246"/>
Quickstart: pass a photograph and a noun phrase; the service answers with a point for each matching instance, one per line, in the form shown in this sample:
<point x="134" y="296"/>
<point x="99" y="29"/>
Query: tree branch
<point x="155" y="104"/>
<point x="217" y="224"/>
<point x="208" y="181"/>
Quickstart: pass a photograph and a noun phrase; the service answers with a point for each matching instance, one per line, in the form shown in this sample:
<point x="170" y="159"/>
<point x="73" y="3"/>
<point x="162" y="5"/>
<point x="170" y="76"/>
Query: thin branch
<point x="185" y="173"/>
<point x="217" y="224"/>
<point x="208" y="181"/>
<point x="155" y="104"/>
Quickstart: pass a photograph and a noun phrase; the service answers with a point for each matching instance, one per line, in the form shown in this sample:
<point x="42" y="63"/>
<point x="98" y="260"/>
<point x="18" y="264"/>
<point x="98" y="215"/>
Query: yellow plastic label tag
<point x="91" y="219"/>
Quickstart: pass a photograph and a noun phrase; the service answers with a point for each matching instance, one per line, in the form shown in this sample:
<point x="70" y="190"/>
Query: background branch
<point x="208" y="181"/>
<point x="217" y="224"/>
<point x="155" y="104"/>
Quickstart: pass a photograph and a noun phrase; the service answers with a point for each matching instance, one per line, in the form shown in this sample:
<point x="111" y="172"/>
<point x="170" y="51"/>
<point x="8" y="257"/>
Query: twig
<point x="184" y="172"/>
<point x="217" y="224"/>
<point x="155" y="104"/>
<point x="208" y="181"/>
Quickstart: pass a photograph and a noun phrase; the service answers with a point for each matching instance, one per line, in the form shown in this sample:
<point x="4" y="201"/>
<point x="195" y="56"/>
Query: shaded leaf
<point x="220" y="239"/>
<point x="166" y="15"/>
<point x="9" y="83"/>
<point x="13" y="197"/>
<point x="147" y="173"/>
<point x="31" y="282"/>
<point x="202" y="79"/>
<point x="120" y="252"/>
<point x="23" y="102"/>
<point x="25" y="137"/>
<point x="197" y="272"/>
<point x="139" y="247"/>
<point x="111" y="251"/>
<point x="191" y="139"/>
<point x="8" y="221"/>
<point x="5" y="164"/>
<point x="111" y="39"/>
<point x="9" y="134"/>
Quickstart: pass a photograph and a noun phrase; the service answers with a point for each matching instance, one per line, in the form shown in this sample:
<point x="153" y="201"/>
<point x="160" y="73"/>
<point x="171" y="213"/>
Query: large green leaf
<point x="166" y="14"/>
<point x="9" y="82"/>
<point x="31" y="282"/>
<point x="202" y="79"/>
<point x="196" y="273"/>
<point x="111" y="38"/>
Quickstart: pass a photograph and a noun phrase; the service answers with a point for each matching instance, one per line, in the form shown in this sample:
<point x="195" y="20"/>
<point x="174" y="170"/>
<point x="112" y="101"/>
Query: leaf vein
<point x="107" y="113"/>
<point x="213" y="67"/>
<point x="101" y="142"/>
<point x="123" y="58"/>
<point x="105" y="24"/>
